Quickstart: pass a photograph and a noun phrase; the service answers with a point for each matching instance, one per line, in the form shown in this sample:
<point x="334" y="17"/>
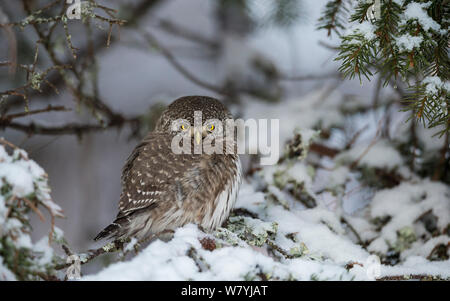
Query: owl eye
<point x="211" y="127"/>
<point x="183" y="127"/>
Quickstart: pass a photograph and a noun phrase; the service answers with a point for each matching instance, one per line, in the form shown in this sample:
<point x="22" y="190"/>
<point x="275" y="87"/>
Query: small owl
<point x="163" y="190"/>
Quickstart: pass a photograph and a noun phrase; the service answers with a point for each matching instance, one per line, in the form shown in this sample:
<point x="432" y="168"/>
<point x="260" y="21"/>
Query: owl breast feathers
<point x="162" y="190"/>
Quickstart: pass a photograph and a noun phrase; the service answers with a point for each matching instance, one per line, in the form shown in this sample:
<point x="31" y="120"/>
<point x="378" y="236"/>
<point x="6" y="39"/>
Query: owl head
<point x="194" y="116"/>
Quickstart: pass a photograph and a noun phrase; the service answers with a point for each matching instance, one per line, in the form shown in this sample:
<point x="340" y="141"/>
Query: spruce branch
<point x="407" y="42"/>
<point x="333" y="18"/>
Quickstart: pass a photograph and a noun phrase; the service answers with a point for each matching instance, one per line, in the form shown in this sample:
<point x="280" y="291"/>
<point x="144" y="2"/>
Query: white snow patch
<point x="416" y="11"/>
<point x="408" y="42"/>
<point x="381" y="154"/>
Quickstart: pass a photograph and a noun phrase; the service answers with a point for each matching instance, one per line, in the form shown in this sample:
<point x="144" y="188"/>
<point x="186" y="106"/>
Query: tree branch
<point x="151" y="40"/>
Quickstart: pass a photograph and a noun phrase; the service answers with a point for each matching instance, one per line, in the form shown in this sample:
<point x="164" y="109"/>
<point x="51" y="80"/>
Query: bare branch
<point x="49" y="108"/>
<point x="168" y="55"/>
<point x="310" y="77"/>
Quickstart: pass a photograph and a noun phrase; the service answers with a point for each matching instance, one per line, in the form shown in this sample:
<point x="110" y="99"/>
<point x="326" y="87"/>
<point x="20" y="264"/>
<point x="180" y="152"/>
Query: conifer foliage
<point x="400" y="40"/>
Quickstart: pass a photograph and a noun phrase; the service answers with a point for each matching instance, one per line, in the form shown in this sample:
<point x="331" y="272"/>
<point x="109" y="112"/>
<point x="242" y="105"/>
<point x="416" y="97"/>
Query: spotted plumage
<point x="162" y="190"/>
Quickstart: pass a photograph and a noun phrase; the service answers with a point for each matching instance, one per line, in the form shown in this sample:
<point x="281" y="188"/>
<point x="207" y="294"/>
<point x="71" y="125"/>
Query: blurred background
<point x="257" y="56"/>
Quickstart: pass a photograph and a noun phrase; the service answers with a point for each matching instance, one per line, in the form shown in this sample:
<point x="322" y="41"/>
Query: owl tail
<point x="111" y="230"/>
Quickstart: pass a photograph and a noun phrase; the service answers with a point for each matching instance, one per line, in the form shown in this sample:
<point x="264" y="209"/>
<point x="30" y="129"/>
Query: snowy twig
<point x="436" y="248"/>
<point x="372" y="143"/>
<point x="34" y="208"/>
<point x="111" y="247"/>
<point x="201" y="265"/>
<point x="355" y="137"/>
<point x="279" y="250"/>
<point x="353" y="230"/>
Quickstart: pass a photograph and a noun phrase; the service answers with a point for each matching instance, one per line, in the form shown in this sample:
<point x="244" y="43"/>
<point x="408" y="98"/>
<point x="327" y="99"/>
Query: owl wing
<point x="151" y="172"/>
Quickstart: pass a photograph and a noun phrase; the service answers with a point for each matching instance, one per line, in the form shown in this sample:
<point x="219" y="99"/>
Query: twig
<point x="187" y="34"/>
<point x="49" y="108"/>
<point x="108" y="248"/>
<point x="73" y="50"/>
<point x="34" y="208"/>
<point x="376" y="93"/>
<point x="171" y="59"/>
<point x="67" y="250"/>
<point x="70" y="128"/>
<point x="309" y="77"/>
<point x="430" y="256"/>
<point x="5" y="142"/>
<point x="280" y="250"/>
<point x="328" y="46"/>
<point x="441" y="166"/>
<point x="351" y="228"/>
<point x="323" y="150"/>
<point x="202" y="266"/>
<point x="372" y="143"/>
<point x="355" y="137"/>
<point x="137" y="11"/>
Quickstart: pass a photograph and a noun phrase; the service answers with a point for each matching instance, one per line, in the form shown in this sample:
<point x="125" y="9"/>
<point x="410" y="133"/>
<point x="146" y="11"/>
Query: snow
<point x="406" y="203"/>
<point x="416" y="11"/>
<point x="366" y="29"/>
<point x="407" y="42"/>
<point x="318" y="108"/>
<point x="58" y="233"/>
<point x="330" y="245"/>
<point x="5" y="273"/>
<point x="168" y="261"/>
<point x="419" y="249"/>
<point x="380" y="154"/>
<point x="419" y="266"/>
<point x="333" y="178"/>
<point x="23" y="181"/>
<point x="130" y="246"/>
<point x="24" y="241"/>
<point x="3" y="212"/>
<point x="434" y="84"/>
<point x="17" y="176"/>
<point x="399" y="2"/>
<point x="318" y="242"/>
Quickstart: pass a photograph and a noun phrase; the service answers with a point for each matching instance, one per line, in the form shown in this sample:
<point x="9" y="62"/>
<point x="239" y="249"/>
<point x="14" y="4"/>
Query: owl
<point x="163" y="190"/>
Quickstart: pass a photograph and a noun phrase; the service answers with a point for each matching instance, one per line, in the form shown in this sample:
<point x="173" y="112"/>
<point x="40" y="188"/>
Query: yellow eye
<point x="183" y="127"/>
<point x="212" y="127"/>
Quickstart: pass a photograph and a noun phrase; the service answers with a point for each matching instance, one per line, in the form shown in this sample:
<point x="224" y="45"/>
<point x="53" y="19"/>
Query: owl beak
<point x="197" y="137"/>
